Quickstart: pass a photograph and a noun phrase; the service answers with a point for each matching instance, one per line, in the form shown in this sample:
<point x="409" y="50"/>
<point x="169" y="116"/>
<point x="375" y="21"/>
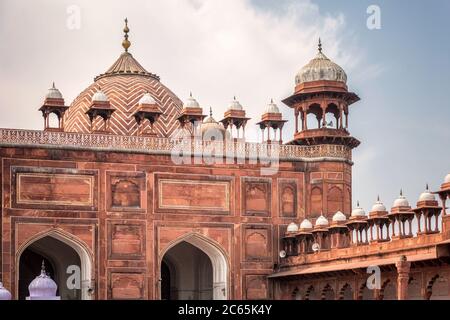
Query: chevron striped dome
<point x="124" y="84"/>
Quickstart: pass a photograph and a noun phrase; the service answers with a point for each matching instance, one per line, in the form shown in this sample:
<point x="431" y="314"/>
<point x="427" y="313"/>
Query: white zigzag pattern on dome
<point x="124" y="93"/>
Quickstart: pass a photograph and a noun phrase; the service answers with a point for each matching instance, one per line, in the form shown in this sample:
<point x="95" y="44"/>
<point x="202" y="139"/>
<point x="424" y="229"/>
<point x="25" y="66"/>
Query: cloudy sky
<point x="253" y="49"/>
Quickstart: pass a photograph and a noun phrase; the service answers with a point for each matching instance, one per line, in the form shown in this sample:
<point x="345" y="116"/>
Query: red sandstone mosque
<point x="100" y="189"/>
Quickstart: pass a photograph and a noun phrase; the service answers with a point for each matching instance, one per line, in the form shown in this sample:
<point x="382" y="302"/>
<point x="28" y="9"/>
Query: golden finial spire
<point x="125" y="43"/>
<point x="320" y="46"/>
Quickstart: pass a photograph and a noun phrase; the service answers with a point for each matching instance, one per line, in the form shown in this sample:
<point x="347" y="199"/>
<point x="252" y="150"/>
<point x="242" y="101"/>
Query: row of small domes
<point x="235" y="105"/>
<point x="191" y="102"/>
<point x="378" y="206"/>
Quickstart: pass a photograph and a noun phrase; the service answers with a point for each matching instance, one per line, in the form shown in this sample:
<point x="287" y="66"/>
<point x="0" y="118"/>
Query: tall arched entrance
<point x="64" y="259"/>
<point x="194" y="268"/>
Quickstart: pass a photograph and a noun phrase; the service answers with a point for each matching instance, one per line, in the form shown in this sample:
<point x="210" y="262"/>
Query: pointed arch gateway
<point x="46" y="245"/>
<point x="198" y="258"/>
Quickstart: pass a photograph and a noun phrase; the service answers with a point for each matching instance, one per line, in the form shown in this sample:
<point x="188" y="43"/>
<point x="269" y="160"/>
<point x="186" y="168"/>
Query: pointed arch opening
<point x="193" y="267"/>
<point x="64" y="256"/>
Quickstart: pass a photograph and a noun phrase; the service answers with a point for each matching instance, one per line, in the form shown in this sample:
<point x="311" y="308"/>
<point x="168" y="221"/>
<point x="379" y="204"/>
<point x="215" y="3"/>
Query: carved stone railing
<point x="152" y="145"/>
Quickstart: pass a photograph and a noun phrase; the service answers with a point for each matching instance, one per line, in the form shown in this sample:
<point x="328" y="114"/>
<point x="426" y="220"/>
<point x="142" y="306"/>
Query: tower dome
<point x="272" y="108"/>
<point x="42" y="286"/>
<point x="292" y="227"/>
<point x="427" y="195"/>
<point x="320" y="68"/>
<point x="447" y="178"/>
<point x="378" y="206"/>
<point x="235" y="105"/>
<point x="123" y="84"/>
<point x="146" y="99"/>
<point x="306" y="224"/>
<point x="401" y="201"/>
<point x="99" y="96"/>
<point x="53" y="93"/>
<point x="358" y="211"/>
<point x="322" y="222"/>
<point x="339" y="217"/>
<point x="211" y="127"/>
<point x="191" y="102"/>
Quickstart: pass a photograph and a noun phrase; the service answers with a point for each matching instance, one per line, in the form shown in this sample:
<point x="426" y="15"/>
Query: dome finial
<point x="210" y="112"/>
<point x="271" y="100"/>
<point x="43" y="267"/>
<point x="357" y="203"/>
<point x="53" y="85"/>
<point x="320" y="45"/>
<point x="125" y="43"/>
<point x="190" y="94"/>
<point x="401" y="192"/>
<point x="378" y="198"/>
<point x="426" y="187"/>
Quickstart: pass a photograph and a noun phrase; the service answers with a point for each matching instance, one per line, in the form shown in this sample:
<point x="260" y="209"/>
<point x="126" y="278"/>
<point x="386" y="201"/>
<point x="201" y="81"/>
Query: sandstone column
<point x="403" y="268"/>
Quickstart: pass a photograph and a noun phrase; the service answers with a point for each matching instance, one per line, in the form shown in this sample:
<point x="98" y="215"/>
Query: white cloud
<point x="216" y="49"/>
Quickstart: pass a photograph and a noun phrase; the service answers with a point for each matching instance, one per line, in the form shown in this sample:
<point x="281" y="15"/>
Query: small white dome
<point x="401" y="201"/>
<point x="235" y="105"/>
<point x="292" y="227"/>
<point x="212" y="128"/>
<point x="42" y="285"/>
<point x="339" y="216"/>
<point x="427" y="195"/>
<point x="378" y="206"/>
<point x="272" y="108"/>
<point x="306" y="224"/>
<point x="53" y="93"/>
<point x="447" y="178"/>
<point x="191" y="102"/>
<point x="99" y="96"/>
<point x="4" y="294"/>
<point x="147" y="99"/>
<point x="358" y="211"/>
<point x="321" y="221"/>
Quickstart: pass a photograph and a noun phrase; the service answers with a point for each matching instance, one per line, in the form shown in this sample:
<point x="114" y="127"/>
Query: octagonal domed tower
<point x="124" y="84"/>
<point x="321" y="90"/>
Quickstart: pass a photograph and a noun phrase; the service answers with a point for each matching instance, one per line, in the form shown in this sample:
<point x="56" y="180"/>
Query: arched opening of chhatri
<point x="67" y="262"/>
<point x="193" y="267"/>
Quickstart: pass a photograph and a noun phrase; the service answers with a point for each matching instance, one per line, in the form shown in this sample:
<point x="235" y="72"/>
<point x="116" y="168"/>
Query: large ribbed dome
<point x="124" y="85"/>
<point x="320" y="68"/>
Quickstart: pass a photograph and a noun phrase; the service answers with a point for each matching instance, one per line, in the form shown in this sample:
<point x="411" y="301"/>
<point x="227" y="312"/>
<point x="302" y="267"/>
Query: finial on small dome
<point x="210" y="111"/>
<point x="357" y="203"/>
<point x="125" y="43"/>
<point x="190" y="94"/>
<point x="234" y="98"/>
<point x="320" y="45"/>
<point x="378" y="198"/>
<point x="43" y="267"/>
<point x="426" y="187"/>
<point x="53" y="85"/>
<point x="271" y="100"/>
<point x="401" y="192"/>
